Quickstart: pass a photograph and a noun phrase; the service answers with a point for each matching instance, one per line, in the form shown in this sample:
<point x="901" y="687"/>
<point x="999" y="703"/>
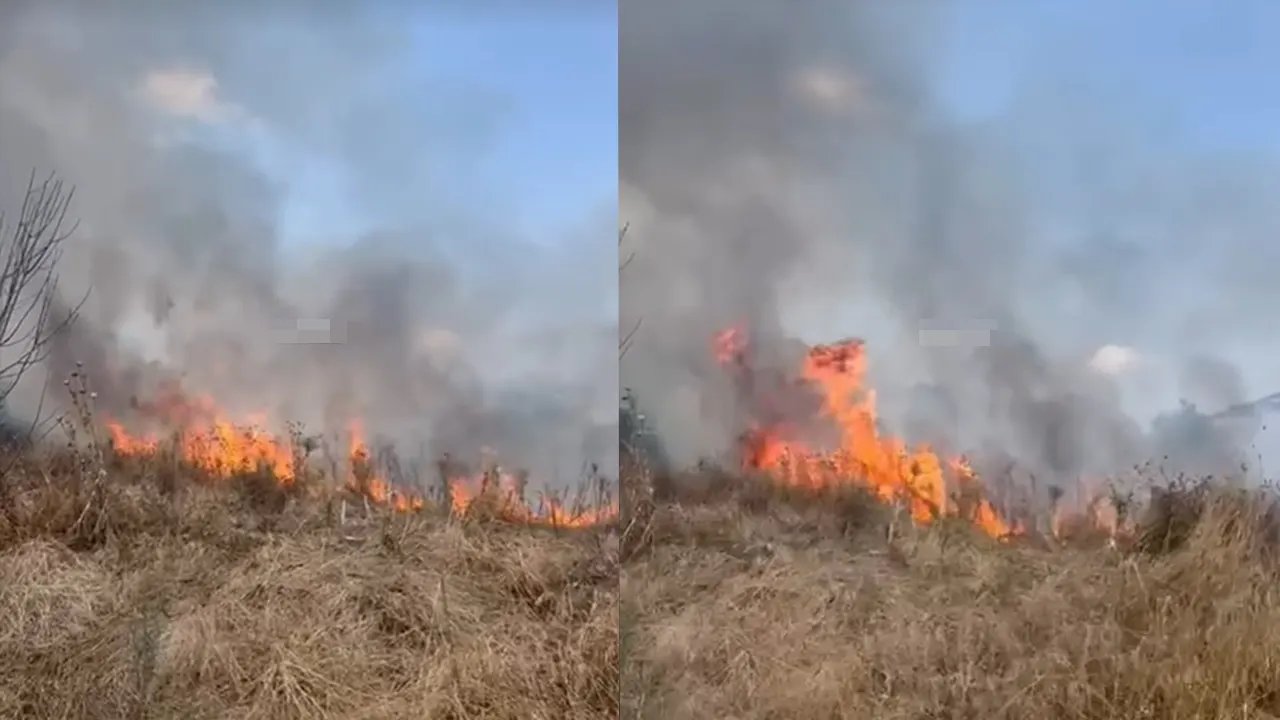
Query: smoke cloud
<point x="790" y="166"/>
<point x="445" y="328"/>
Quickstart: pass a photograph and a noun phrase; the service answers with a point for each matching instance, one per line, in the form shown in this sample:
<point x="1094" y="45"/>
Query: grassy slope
<point x="751" y="607"/>
<point x="232" y="603"/>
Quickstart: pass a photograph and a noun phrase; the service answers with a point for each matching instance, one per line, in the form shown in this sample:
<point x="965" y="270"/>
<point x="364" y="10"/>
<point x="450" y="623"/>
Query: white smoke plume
<point x="790" y="166"/>
<point x="443" y="328"/>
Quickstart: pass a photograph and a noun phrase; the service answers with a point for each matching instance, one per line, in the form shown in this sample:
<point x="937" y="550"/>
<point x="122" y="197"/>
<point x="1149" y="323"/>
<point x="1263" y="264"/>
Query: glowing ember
<point x="918" y="477"/>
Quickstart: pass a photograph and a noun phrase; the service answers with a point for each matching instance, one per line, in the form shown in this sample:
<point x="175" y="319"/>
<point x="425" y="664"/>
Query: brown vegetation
<point x="131" y="593"/>
<point x="747" y="601"/>
<point x="151" y="581"/>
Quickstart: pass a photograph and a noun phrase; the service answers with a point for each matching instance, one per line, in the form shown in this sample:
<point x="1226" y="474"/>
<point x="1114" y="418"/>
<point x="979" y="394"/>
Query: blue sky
<point x="1183" y="79"/>
<point x="553" y="159"/>
<point x="1207" y="67"/>
<point x="558" y="153"/>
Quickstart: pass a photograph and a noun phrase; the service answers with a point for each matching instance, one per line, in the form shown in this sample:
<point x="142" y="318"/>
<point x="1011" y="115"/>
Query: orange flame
<point x="207" y="440"/>
<point x="1092" y="511"/>
<point x="503" y="492"/>
<point x="728" y="345"/>
<point x="886" y="465"/>
<point x="365" y="479"/>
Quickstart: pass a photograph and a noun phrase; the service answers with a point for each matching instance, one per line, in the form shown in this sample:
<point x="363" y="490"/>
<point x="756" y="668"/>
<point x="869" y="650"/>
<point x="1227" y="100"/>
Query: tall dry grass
<point x="132" y="594"/>
<point x="740" y="601"/>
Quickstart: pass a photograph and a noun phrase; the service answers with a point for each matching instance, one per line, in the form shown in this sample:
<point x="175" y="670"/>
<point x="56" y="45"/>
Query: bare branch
<point x="622" y="235"/>
<point x="625" y="343"/>
<point x="30" y="248"/>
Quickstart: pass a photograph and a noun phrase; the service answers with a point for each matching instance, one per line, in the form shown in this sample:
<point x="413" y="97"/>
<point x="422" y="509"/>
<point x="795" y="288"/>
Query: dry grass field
<point x="127" y="593"/>
<point x="748" y="602"/>
<point x="140" y="598"/>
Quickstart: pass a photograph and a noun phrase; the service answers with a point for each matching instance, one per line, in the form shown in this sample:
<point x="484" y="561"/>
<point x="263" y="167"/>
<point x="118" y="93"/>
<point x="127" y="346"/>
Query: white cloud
<point x="1115" y="359"/>
<point x="189" y="94"/>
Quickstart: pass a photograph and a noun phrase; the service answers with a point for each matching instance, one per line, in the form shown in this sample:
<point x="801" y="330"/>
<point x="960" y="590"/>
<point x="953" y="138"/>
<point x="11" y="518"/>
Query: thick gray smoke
<point x="787" y="166"/>
<point x="450" y="330"/>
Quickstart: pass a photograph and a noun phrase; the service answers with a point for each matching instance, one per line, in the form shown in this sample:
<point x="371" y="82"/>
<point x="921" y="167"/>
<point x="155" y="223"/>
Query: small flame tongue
<point x="884" y="464"/>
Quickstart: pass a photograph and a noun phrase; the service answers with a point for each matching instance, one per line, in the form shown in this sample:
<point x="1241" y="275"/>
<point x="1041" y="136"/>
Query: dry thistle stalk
<point x="90" y="461"/>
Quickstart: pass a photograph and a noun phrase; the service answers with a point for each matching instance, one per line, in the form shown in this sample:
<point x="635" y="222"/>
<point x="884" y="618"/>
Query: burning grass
<point x="777" y="440"/>
<point x="747" y="598"/>
<point x="196" y="579"/>
<point x="839" y="572"/>
<point x="203" y="438"/>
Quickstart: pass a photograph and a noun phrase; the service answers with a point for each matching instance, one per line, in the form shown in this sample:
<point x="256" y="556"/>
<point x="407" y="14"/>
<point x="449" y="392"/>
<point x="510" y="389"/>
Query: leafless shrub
<point x="30" y="247"/>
